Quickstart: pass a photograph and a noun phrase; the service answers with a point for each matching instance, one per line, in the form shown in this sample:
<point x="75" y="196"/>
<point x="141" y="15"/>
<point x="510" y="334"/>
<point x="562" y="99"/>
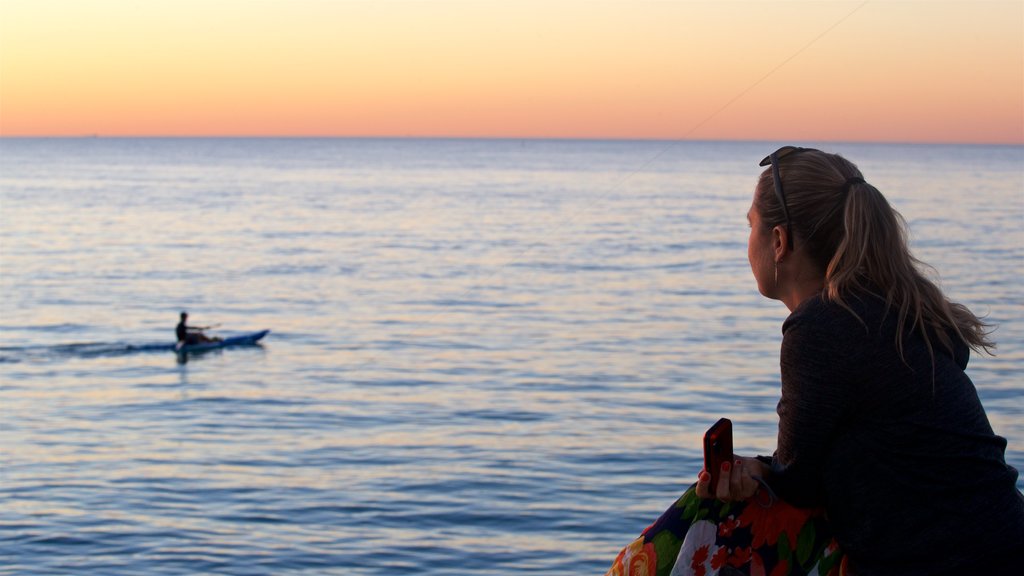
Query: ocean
<point x="486" y="356"/>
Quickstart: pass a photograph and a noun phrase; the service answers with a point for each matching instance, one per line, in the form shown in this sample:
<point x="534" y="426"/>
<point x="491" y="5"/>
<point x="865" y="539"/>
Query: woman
<point x="886" y="462"/>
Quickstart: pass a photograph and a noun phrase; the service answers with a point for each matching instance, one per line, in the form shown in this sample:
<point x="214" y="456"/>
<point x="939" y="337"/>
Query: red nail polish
<point x="726" y="466"/>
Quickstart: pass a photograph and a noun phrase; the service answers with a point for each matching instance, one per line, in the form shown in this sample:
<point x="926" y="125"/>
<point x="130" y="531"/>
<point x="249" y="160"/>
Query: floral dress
<point x="760" y="536"/>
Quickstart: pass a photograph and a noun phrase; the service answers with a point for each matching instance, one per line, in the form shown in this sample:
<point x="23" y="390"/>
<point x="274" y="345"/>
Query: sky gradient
<point x="883" y="70"/>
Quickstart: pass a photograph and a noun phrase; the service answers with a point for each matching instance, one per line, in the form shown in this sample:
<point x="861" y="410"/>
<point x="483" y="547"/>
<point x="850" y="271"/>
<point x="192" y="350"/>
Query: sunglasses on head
<point x="773" y="159"/>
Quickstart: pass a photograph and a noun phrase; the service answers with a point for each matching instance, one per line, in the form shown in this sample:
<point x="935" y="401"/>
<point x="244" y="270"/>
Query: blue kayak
<point x="242" y="340"/>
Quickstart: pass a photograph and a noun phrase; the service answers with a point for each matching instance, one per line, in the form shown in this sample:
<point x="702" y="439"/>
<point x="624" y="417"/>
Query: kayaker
<point x="191" y="334"/>
<point x="886" y="463"/>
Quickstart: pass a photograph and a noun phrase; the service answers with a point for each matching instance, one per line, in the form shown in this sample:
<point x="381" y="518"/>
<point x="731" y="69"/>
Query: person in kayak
<point x="191" y="334"/>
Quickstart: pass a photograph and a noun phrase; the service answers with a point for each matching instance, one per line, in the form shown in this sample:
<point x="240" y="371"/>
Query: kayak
<point x="242" y="340"/>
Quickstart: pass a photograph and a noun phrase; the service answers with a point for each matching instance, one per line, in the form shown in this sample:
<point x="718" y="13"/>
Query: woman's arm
<point x="820" y="357"/>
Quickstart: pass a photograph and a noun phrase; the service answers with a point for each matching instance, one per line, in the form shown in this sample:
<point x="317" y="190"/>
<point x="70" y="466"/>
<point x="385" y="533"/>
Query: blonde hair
<point x="859" y="242"/>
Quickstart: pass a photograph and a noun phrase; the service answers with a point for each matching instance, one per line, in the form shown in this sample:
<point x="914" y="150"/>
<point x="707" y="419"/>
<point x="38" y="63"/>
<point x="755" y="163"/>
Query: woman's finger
<point x="722" y="490"/>
<point x="737" y="488"/>
<point x="704" y="484"/>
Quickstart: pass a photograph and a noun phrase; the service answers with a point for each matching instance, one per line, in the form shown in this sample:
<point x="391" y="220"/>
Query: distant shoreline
<point x="499" y="139"/>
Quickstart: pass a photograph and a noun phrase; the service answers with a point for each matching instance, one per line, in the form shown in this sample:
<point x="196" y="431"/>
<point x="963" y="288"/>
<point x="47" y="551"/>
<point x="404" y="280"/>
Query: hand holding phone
<point x="717" y="449"/>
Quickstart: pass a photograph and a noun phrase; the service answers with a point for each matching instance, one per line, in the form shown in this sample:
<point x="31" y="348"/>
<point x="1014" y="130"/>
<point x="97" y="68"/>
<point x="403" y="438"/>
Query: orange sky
<point x="883" y="70"/>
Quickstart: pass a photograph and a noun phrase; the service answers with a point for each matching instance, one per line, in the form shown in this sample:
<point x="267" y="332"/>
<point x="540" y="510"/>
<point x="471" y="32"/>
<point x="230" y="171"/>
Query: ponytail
<point x="873" y="255"/>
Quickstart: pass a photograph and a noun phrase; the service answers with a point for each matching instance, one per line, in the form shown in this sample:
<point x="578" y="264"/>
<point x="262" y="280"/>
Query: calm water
<point x="487" y="357"/>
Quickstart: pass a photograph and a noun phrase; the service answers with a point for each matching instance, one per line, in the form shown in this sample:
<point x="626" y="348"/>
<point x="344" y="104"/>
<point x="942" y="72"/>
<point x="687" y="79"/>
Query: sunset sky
<point x="908" y="71"/>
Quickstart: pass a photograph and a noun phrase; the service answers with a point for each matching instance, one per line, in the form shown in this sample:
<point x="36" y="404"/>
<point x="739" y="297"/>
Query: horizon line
<point x="100" y="136"/>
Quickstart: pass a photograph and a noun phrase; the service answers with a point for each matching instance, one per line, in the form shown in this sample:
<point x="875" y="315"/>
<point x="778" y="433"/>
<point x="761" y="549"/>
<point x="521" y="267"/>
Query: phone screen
<point x="717" y="449"/>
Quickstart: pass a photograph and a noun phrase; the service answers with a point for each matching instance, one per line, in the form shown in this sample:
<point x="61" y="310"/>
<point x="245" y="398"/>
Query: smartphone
<point x="717" y="449"/>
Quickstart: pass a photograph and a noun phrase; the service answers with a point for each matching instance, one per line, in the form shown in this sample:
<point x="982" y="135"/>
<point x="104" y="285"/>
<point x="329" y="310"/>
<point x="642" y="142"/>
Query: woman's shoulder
<point x="821" y="313"/>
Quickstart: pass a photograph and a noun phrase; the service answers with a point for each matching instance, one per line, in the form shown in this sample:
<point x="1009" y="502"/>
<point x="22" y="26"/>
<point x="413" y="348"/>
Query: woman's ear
<point x="780" y="243"/>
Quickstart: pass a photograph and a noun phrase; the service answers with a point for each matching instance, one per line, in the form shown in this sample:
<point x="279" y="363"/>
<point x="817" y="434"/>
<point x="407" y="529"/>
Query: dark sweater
<point x="903" y="459"/>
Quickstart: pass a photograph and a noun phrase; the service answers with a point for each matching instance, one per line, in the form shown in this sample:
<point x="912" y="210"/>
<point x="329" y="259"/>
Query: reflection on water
<point x="487" y="357"/>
